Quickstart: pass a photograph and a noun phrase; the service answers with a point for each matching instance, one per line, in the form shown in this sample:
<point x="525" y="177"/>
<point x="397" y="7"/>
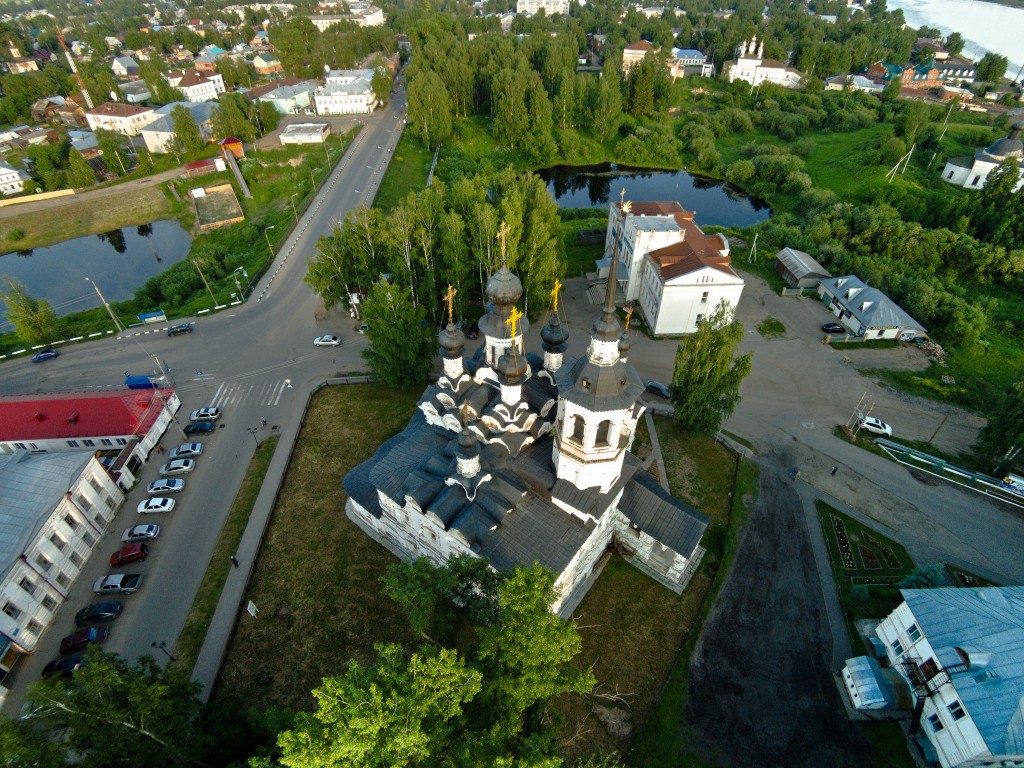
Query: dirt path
<point x="761" y="690"/>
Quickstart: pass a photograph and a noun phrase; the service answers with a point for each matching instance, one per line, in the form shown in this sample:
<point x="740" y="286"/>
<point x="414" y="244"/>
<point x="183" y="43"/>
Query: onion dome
<point x="503" y="288"/>
<point x="468" y="447"/>
<point x="511" y="368"/>
<point x="554" y="335"/>
<point x="452" y="341"/>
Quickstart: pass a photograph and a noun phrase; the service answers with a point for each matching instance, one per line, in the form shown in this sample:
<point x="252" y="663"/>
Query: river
<point x="984" y="26"/>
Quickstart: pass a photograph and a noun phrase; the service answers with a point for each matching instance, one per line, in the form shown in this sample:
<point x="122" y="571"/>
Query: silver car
<point x="186" y="450"/>
<point x="178" y="467"/>
<point x="166" y="485"/>
<point x="154" y="505"/>
<point x="139" y="533"/>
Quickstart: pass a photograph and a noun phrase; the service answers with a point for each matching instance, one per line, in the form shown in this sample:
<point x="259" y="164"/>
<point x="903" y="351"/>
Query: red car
<point x="82" y="638"/>
<point x="129" y="553"/>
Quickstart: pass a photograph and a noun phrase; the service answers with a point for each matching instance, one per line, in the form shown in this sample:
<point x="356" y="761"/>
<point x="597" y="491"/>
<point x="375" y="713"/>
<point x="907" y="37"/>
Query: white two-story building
<point x="346" y="92"/>
<point x="127" y="119"/>
<point x="196" y="86"/>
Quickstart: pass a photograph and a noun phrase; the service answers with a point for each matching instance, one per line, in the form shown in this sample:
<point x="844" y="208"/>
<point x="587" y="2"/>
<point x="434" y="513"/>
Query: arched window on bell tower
<point x="578" y="426"/>
<point x="601" y="441"/>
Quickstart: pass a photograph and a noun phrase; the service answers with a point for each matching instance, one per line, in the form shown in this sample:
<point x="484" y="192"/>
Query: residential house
<point x="799" y="269"/>
<point x="260" y="40"/>
<point x="22" y="65"/>
<point x="972" y="173"/>
<point x="751" y="66"/>
<point x="290" y="99"/>
<point x="120" y="118"/>
<point x="266" y="64"/>
<point x="957" y="69"/>
<point x="125" y="66"/>
<point x="196" y="86"/>
<point x="853" y="83"/>
<point x="919" y="77"/>
<point x="44" y="110"/>
<point x="205" y="64"/>
<point x="957" y="654"/>
<point x="689" y="61"/>
<point x="866" y="311"/>
<point x="135" y="91"/>
<point x="71" y="113"/>
<point x="12" y="180"/>
<point x="951" y="92"/>
<point x="261" y="90"/>
<point x="934" y="47"/>
<point x="54" y="510"/>
<point x="346" y="92"/>
<point x="550" y="7"/>
<point x="159" y="135"/>
<point x="85" y="142"/>
<point x="636" y="52"/>
<point x="113" y="43"/>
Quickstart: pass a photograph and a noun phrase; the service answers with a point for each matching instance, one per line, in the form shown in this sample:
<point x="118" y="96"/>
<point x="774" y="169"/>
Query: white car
<point x="166" y="485"/>
<point x="155" y="505"/>
<point x="205" y="414"/>
<point x="326" y="341"/>
<point x="178" y="467"/>
<point x="140" y="533"/>
<point x="876" y="426"/>
<point x="185" y="450"/>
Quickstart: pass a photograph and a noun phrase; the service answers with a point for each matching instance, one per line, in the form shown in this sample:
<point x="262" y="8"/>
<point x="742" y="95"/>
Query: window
<point x="95" y="484"/>
<point x="58" y="542"/>
<point x="974" y="183"/>
<point x="700" y="319"/>
<point x="88" y="539"/>
<point x="43" y="563"/>
<point x="108" y="501"/>
<point x="20" y="446"/>
<point x="897" y="647"/>
<point x="121" y="441"/>
<point x="72" y="443"/>
<point x="27" y="585"/>
<point x="578" y="426"/>
<point x="69" y="519"/>
<point x="602" y="432"/>
<point x="935" y="723"/>
<point x="950" y="175"/>
<point x="62" y="579"/>
<point x="704" y="298"/>
<point x="83" y="502"/>
<point x="49" y="604"/>
<point x="105" y="441"/>
<point x="34" y="627"/>
<point x="956" y="709"/>
<point x="89" y="443"/>
<point x="76" y="559"/>
<point x="913" y="633"/>
<point x="12" y="610"/>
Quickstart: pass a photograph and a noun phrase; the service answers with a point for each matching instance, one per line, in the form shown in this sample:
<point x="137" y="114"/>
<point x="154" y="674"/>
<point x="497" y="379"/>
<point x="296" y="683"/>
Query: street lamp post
<point x="252" y="431"/>
<point x="294" y="212"/>
<point x="117" y="323"/>
<point x="269" y="246"/>
<point x="313" y="178"/>
<point x="162" y="645"/>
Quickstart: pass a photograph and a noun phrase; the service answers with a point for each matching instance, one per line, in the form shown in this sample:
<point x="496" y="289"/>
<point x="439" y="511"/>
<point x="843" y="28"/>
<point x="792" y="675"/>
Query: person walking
<point x="834" y="470"/>
<point x="794" y="473"/>
<point x="234" y="561"/>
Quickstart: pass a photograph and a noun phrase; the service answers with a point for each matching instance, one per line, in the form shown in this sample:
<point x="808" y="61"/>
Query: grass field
<point x="407" y="172"/>
<point x="198" y="620"/>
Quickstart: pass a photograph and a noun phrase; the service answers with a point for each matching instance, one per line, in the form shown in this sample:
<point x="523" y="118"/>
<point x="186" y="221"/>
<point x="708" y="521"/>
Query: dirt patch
<point x="767" y="634"/>
<point x="906" y="357"/>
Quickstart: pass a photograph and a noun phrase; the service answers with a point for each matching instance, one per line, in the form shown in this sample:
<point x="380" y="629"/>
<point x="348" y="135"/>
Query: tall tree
<point x="640" y="87"/>
<point x="401" y="346"/>
<point x="430" y="108"/>
<point x="992" y="67"/>
<point x="34" y="320"/>
<point x="707" y="377"/>
<point x="80" y="173"/>
<point x="186" y="133"/>
<point x="607" y="108"/>
<point x="1002" y="439"/>
<point x="231" y="117"/>
<point x="954" y="43"/>
<point x="382" y="81"/>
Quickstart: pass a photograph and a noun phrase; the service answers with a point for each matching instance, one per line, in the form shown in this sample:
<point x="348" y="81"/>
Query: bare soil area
<point x="761" y="690"/>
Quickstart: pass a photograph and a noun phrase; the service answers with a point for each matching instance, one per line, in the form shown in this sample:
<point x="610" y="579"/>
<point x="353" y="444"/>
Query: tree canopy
<point x="401" y="343"/>
<point x="34" y="320"/>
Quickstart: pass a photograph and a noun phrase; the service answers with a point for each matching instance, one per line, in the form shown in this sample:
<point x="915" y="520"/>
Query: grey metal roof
<point x="31" y="485"/>
<point x="801" y="264"/>
<point x="869" y="305"/>
<point x="982" y="622"/>
<point x="201" y="112"/>
<point x="599" y="388"/>
<point x="661" y="516"/>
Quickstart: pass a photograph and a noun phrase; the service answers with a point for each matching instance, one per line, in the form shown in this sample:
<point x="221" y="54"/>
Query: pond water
<point x="118" y="261"/>
<point x="714" y="201"/>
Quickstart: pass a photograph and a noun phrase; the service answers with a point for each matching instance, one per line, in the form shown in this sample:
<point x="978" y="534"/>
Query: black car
<point x="98" y="613"/>
<point x="200" y="428"/>
<point x="177" y="330"/>
<point x="64" y="667"/>
<point x="834" y="328"/>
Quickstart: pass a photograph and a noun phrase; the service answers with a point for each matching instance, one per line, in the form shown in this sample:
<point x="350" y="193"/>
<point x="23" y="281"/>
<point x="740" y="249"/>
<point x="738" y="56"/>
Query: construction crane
<point x="74" y="69"/>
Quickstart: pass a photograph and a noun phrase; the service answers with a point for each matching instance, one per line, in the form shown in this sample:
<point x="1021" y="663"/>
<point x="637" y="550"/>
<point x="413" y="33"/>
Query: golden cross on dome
<point x="554" y="295"/>
<point x="629" y="314"/>
<point x="513" y="320"/>
<point x="624" y="205"/>
<point x="449" y="300"/>
<point x="503" y="236"/>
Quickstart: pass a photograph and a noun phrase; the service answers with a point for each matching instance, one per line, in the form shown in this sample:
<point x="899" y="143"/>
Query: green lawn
<point x="406" y="172"/>
<point x="771" y="328"/>
<point x="580" y="256"/>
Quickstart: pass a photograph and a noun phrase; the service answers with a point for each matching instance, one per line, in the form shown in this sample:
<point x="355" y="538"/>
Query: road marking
<point x="277" y="396"/>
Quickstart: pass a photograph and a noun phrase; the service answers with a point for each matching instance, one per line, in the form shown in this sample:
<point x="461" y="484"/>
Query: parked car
<point x="659" y="389"/>
<point x="99" y="613"/>
<point x="178" y="467"/>
<point x="166" y="485"/>
<point x="185" y="450"/>
<point x="129" y="553"/>
<point x="834" y="328"/>
<point x="205" y="414"/>
<point x="472" y="331"/>
<point x="200" y="428"/>
<point x="83" y="637"/>
<point x="877" y="426"/>
<point x="363" y="328"/>
<point x="155" y="505"/>
<point x="326" y="341"/>
<point x="177" y="330"/>
<point x="145" y="532"/>
<point x="46" y="354"/>
<point x="64" y="667"/>
<point x="117" y="583"/>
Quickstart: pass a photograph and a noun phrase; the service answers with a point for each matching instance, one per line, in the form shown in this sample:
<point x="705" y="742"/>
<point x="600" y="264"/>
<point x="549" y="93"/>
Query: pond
<point x="714" y="201"/>
<point x="119" y="262"/>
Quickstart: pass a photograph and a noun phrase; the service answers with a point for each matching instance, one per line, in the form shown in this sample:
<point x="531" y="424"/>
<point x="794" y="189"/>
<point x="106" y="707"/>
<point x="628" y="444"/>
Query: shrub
<point x="16" y="234"/>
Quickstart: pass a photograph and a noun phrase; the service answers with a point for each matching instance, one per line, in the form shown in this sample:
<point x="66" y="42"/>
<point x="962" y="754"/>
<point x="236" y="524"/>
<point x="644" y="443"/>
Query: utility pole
<point x="117" y="323"/>
<point x="195" y="263"/>
<point x="74" y="70"/>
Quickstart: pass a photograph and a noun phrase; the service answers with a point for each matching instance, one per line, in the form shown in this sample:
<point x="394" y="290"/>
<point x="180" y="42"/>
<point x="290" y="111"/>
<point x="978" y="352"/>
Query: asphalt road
<point x="254" y="362"/>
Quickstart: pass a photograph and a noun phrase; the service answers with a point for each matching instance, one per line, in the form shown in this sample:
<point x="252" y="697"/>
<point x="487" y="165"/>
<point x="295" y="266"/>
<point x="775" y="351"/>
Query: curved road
<point x="255" y="361"/>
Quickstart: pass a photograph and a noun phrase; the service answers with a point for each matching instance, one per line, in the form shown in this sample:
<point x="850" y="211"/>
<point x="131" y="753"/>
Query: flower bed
<point x="869" y="558"/>
<point x="839" y="529"/>
<point x="890" y="557"/>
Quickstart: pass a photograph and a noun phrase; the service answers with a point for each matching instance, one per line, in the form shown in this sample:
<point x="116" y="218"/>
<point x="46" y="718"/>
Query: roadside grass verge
<point x="316" y="583"/>
<point x="198" y="620"/>
<point x="635" y="665"/>
<point x="406" y="172"/>
<point x="771" y="328"/>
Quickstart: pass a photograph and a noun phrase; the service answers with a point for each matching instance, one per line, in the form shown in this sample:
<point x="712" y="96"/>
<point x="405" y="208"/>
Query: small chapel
<point x="521" y="458"/>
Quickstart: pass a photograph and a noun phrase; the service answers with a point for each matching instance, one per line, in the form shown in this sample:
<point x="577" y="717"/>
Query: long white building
<point x="346" y="92"/>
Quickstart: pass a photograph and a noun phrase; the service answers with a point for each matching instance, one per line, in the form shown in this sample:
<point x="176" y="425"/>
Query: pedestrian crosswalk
<point x="242" y="393"/>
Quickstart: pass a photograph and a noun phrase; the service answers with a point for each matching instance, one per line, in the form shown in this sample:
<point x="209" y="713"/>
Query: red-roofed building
<point x="634" y="53"/>
<point x="668" y="266"/>
<point x="127" y="421"/>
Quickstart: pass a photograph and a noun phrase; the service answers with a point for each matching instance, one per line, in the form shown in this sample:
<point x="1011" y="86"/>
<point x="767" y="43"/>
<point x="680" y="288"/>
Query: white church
<point x="519" y="459"/>
<point x="972" y="173"/>
<point x="751" y="66"/>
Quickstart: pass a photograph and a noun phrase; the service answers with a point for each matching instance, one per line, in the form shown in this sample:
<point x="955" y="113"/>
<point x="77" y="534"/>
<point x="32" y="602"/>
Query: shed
<point x="799" y="269"/>
<point x="866" y="310"/>
<point x="233" y="145"/>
